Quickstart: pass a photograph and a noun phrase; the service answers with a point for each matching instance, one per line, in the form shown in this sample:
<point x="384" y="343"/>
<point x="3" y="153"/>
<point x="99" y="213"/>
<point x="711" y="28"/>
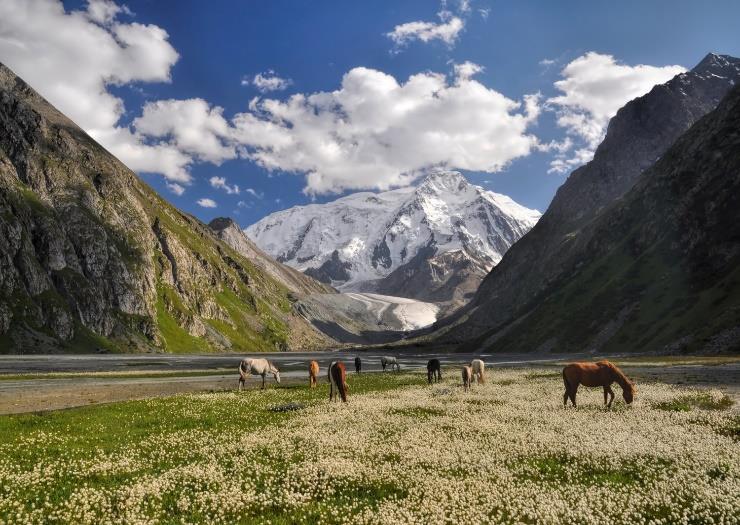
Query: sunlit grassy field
<point x="399" y="452"/>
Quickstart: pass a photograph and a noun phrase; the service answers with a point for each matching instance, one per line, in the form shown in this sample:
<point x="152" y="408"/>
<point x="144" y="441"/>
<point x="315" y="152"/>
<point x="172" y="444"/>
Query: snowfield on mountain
<point x="366" y="241"/>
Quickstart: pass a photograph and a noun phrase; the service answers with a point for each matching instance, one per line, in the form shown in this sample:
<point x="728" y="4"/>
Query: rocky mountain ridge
<point x="660" y="271"/>
<point x="638" y="136"/>
<point x="91" y="258"/>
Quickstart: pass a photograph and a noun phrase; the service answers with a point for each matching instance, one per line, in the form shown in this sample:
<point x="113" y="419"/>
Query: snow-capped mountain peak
<point x="360" y="241"/>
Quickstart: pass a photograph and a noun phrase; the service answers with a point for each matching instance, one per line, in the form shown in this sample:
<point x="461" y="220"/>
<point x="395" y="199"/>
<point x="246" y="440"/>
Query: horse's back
<point x="588" y="374"/>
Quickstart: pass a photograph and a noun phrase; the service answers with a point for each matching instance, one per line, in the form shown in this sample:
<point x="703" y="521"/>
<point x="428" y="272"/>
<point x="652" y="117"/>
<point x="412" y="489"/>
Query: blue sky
<point x="521" y="47"/>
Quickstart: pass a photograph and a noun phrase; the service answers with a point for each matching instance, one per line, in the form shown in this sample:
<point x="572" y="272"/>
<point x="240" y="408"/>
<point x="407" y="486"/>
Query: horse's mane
<point x="621" y="378"/>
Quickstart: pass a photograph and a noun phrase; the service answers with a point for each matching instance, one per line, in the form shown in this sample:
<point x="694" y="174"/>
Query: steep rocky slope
<point x="433" y="242"/>
<point x="660" y="268"/>
<point x="92" y="258"/>
<point x="637" y="136"/>
<point x="296" y="282"/>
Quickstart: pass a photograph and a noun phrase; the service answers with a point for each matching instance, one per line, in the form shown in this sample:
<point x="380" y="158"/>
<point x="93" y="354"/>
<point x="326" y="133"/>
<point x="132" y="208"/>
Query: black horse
<point x="358" y="364"/>
<point x="434" y="370"/>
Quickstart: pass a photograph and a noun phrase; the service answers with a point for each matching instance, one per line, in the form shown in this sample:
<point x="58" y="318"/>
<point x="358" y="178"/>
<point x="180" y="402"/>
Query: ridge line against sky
<point x="432" y="102"/>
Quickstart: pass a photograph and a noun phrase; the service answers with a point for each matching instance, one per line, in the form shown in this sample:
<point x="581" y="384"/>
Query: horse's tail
<point x="242" y="371"/>
<point x="565" y="379"/>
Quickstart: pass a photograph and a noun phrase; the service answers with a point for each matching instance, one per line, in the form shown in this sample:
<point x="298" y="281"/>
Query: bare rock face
<point x="655" y="269"/>
<point x="297" y="283"/>
<point x="91" y="257"/>
<point x="638" y="136"/>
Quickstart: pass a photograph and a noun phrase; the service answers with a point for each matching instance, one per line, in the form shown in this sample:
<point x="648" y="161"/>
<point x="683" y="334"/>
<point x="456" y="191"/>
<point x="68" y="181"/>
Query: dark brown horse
<point x="603" y="374"/>
<point x="434" y="370"/>
<point x="337" y="381"/>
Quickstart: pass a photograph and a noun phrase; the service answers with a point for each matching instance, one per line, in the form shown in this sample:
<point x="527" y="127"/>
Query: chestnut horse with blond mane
<point x="603" y="374"/>
<point x="313" y="373"/>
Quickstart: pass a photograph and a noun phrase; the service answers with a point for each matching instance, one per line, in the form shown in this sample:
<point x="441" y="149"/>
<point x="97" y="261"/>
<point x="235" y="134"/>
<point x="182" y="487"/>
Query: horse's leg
<point x="611" y="395"/>
<point x="573" y="394"/>
<point x="263" y="381"/>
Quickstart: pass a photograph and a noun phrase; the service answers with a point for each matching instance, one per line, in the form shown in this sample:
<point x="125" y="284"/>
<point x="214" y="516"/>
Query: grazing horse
<point x="338" y="381"/>
<point x="434" y="370"/>
<point x="467" y="377"/>
<point x="390" y="361"/>
<point x="603" y="374"/>
<point x="258" y="367"/>
<point x="313" y="373"/>
<point x="479" y="370"/>
<point x="358" y="364"/>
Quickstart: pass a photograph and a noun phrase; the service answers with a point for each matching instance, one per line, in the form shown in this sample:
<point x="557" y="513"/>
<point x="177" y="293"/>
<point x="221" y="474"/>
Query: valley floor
<point x="399" y="452"/>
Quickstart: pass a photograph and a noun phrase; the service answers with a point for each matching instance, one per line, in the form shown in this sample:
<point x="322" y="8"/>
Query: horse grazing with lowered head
<point x="391" y="362"/>
<point x="603" y="374"/>
<point x="338" y="381"/>
<point x="313" y="373"/>
<point x="467" y="377"/>
<point x="258" y="367"/>
<point x="358" y="364"/>
<point x="479" y="370"/>
<point x="434" y="370"/>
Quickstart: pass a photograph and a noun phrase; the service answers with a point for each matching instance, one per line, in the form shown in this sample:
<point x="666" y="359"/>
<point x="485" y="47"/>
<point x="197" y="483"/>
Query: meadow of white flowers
<point x="505" y="452"/>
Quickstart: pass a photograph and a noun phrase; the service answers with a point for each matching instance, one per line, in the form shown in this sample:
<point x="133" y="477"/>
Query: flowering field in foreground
<point x="399" y="452"/>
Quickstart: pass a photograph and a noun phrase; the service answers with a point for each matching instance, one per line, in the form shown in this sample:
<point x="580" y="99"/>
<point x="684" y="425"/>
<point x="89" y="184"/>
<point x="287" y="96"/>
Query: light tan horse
<point x="467" y="377"/>
<point x="479" y="370"/>
<point x="313" y="373"/>
<point x="259" y="367"/>
<point x="603" y="374"/>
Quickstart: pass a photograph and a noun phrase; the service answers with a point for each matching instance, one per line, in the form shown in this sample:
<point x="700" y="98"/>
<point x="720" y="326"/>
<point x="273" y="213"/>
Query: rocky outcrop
<point x="640" y="133"/>
<point x="93" y="259"/>
<point x="296" y="282"/>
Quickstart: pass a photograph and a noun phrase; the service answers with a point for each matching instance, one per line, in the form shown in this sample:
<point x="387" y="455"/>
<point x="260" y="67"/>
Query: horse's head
<point x="628" y="393"/>
<point x="275" y="373"/>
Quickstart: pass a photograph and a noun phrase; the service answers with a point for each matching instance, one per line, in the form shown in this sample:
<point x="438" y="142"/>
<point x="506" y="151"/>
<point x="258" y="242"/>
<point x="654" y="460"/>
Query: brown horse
<point x="338" y="381"/>
<point x="603" y="374"/>
<point x="467" y="377"/>
<point x="313" y="373"/>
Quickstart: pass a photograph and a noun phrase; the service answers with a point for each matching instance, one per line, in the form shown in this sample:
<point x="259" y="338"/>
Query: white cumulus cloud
<point x="593" y="88"/>
<point x="206" y="203"/>
<point x="268" y="81"/>
<point x="73" y="57"/>
<point x="220" y="183"/>
<point x="446" y="30"/>
<point x="191" y="125"/>
<point x="374" y="132"/>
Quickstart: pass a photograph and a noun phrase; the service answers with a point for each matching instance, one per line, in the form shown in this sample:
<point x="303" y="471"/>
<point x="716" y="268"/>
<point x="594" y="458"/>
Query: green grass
<point x="113" y="429"/>
<point x="198" y="445"/>
<point x="571" y="469"/>
<point x="700" y="400"/>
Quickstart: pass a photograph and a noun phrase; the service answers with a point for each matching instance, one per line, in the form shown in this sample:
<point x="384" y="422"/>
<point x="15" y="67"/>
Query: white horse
<point x="390" y="361"/>
<point x="258" y="367"/>
<point x="479" y="370"/>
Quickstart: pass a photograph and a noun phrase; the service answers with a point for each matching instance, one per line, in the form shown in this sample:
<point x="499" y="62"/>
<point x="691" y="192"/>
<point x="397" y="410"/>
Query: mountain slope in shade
<point x="637" y="136"/>
<point x="661" y="267"/>
<point x="432" y="242"/>
<point x="296" y="282"/>
<point x="92" y="258"/>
